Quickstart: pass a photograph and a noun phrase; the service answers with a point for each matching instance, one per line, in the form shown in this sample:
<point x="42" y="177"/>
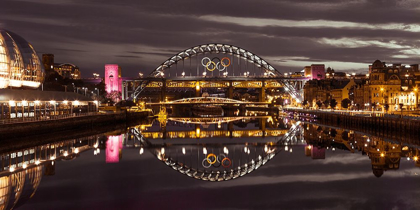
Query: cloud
<point x="311" y="177"/>
<point x="262" y="22"/>
<point x="338" y="33"/>
<point x="128" y="56"/>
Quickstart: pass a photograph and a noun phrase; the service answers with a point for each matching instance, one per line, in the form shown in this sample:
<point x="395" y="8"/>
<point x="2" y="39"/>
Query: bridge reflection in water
<point x="201" y="156"/>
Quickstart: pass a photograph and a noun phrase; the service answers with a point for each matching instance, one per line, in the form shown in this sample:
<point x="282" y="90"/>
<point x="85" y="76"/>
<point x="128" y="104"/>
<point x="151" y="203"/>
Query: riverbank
<point x="74" y="124"/>
<point x="380" y="125"/>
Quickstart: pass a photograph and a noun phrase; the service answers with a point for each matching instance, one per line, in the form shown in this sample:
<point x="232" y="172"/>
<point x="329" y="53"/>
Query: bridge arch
<point x="216" y="48"/>
<point x="197" y="170"/>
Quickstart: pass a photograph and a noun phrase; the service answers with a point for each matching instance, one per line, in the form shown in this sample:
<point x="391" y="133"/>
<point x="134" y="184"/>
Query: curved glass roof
<point x="20" y="66"/>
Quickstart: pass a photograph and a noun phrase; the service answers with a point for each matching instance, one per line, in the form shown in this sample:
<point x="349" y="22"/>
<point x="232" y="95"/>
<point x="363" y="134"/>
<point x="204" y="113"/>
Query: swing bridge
<point x="213" y="66"/>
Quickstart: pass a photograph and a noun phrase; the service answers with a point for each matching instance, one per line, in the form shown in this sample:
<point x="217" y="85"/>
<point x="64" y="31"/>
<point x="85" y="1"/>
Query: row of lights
<point x="37" y="102"/>
<point x="37" y="162"/>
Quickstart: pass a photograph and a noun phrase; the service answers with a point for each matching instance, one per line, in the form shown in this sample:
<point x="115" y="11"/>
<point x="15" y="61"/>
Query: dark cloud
<point x="285" y="33"/>
<point x="127" y="56"/>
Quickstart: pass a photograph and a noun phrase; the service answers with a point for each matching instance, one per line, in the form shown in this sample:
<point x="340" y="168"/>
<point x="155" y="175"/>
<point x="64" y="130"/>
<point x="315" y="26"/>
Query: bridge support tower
<point x="230" y="90"/>
<point x="261" y="95"/>
<point x="163" y="90"/>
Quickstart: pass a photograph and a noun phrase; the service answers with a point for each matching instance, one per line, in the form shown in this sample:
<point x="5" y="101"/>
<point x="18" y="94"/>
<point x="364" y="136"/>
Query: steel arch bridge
<point x="268" y="72"/>
<point x="215" y="48"/>
<point x="224" y="174"/>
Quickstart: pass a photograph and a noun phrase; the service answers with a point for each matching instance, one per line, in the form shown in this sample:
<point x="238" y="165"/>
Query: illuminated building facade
<point x="315" y="71"/>
<point x="19" y="64"/>
<point x="393" y="85"/>
<point x="67" y="70"/>
<point x="20" y="104"/>
<point x="113" y="78"/>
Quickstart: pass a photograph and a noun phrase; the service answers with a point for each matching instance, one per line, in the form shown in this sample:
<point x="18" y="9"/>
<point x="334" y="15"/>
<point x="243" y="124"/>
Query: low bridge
<point x="206" y="100"/>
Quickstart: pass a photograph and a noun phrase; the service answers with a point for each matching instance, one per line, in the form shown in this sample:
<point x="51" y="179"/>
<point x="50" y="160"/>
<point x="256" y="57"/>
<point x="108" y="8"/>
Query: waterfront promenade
<point x="32" y="126"/>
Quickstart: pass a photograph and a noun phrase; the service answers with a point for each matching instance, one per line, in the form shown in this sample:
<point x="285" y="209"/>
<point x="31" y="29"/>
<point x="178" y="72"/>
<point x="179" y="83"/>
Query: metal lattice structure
<point x="209" y="120"/>
<point x="215" y="48"/>
<point x="227" y="49"/>
<point x="207" y="100"/>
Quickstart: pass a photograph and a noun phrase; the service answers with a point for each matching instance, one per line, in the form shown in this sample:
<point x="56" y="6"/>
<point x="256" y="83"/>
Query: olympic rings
<point x="223" y="64"/>
<point x="220" y="160"/>
<point x="215" y="63"/>
<point x="221" y="157"/>
<point x="211" y="63"/>
<point x="203" y="163"/>
<point x="211" y="155"/>
<point x="205" y="64"/>
<point x="223" y="162"/>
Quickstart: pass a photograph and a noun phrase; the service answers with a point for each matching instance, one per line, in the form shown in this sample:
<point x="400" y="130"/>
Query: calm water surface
<point x="215" y="163"/>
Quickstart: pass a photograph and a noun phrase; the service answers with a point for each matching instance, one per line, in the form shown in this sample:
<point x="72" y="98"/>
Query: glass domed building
<point x="19" y="64"/>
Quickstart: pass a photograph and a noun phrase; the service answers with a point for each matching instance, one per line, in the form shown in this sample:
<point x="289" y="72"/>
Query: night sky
<point x="347" y="35"/>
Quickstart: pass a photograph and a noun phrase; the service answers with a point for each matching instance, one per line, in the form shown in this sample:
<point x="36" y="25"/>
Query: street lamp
<point x="53" y="103"/>
<point x="141" y="75"/>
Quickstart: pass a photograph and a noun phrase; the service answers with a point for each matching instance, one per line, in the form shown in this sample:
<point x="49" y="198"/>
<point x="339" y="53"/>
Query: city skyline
<point x="139" y="36"/>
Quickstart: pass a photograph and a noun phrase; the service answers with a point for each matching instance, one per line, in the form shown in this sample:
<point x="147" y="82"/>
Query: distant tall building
<point x="113" y="80"/>
<point x="48" y="61"/>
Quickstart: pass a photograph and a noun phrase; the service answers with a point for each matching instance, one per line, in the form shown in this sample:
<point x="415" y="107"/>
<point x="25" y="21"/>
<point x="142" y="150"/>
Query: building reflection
<point x="21" y="170"/>
<point x="384" y="155"/>
<point x="114" y="149"/>
<point x="201" y="151"/>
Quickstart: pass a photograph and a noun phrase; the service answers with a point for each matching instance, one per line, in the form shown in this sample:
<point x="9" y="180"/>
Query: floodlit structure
<point x="113" y="79"/>
<point x="19" y="64"/>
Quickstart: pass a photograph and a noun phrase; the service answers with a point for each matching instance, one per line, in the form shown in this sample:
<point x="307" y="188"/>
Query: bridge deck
<point x="230" y="78"/>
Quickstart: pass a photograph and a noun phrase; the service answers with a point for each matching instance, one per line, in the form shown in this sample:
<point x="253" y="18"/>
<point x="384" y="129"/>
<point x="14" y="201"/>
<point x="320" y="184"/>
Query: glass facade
<point x="19" y="63"/>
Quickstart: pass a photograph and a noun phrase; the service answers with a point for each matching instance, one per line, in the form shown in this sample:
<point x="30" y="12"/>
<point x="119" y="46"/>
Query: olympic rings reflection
<point x="216" y="161"/>
<point x="215" y="63"/>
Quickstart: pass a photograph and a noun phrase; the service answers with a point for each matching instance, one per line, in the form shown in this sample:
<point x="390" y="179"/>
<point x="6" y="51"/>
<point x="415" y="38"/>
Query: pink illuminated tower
<point x="113" y="78"/>
<point x="113" y="149"/>
<point x="318" y="71"/>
